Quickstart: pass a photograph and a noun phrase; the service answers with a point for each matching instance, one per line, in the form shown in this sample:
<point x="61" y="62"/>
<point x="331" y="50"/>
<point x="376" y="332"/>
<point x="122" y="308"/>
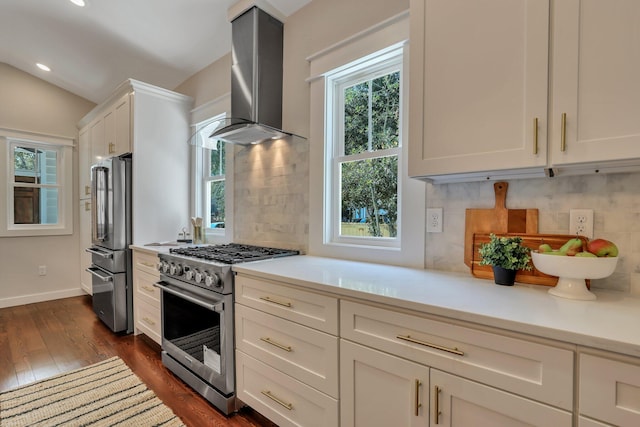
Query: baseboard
<point x="45" y="296"/>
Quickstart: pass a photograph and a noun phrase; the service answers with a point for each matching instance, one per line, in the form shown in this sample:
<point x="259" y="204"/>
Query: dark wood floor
<point x="44" y="339"/>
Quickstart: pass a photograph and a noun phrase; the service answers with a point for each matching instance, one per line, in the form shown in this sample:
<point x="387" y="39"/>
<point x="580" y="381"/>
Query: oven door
<point x="197" y="331"/>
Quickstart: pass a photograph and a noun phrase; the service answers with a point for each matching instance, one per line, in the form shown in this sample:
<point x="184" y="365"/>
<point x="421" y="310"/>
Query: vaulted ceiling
<point x="92" y="49"/>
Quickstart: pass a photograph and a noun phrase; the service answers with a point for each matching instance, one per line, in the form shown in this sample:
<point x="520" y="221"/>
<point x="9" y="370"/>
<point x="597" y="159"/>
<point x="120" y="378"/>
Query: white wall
<point x="30" y="104"/>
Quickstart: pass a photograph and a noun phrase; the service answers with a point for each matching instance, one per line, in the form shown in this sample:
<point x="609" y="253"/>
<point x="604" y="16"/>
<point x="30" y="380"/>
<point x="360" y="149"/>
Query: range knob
<point x="212" y="280"/>
<point x="165" y="267"/>
<point x="175" y="269"/>
<point x="190" y="273"/>
<point x="198" y="276"/>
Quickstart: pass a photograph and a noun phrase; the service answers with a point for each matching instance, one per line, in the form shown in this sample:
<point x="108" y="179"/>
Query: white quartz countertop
<point x="158" y="248"/>
<point x="608" y="323"/>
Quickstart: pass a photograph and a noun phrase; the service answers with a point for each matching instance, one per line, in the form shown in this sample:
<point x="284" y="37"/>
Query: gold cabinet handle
<point x="87" y="206"/>
<point x="148" y="288"/>
<point x="535" y="135"/>
<point x="149" y="321"/>
<point x="146" y="264"/>
<point x="112" y="148"/>
<point x="273" y="301"/>
<point x="281" y="402"/>
<point x="87" y="190"/>
<point x="563" y="133"/>
<point x="436" y="409"/>
<point x="277" y="344"/>
<point x="418" y="404"/>
<point x="430" y="345"/>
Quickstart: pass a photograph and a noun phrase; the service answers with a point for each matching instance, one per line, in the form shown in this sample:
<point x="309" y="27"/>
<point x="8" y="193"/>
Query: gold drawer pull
<point x="277" y="344"/>
<point x="146" y="264"/>
<point x="148" y="288"/>
<point x="149" y="321"/>
<point x="87" y="190"/>
<point x="267" y="393"/>
<point x="418" y="404"/>
<point x="535" y="135"/>
<point x="273" y="301"/>
<point x="427" y="344"/>
<point x="87" y="206"/>
<point x="112" y="148"/>
<point x="563" y="132"/>
<point x="436" y="411"/>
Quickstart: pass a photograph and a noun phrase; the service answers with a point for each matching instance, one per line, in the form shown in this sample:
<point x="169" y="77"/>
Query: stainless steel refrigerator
<point x="111" y="233"/>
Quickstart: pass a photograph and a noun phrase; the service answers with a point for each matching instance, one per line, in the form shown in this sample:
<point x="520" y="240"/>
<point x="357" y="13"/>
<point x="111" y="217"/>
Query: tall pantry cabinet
<point x="153" y="124"/>
<point x="514" y="88"/>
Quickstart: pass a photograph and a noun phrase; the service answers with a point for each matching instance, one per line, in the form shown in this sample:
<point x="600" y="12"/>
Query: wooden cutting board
<point x="497" y="220"/>
<point x="532" y="241"/>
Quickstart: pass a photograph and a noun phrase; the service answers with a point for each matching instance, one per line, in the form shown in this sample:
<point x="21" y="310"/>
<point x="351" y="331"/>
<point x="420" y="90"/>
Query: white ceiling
<point x="92" y="49"/>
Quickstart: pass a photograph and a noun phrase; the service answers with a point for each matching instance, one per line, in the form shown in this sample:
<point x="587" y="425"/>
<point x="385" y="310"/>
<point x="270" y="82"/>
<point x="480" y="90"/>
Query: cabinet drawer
<point x="280" y="398"/>
<point x="143" y="286"/>
<point x="307" y="308"/>
<point x="534" y="370"/>
<point x="610" y="390"/>
<point x="145" y="261"/>
<point x="301" y="352"/>
<point x="147" y="320"/>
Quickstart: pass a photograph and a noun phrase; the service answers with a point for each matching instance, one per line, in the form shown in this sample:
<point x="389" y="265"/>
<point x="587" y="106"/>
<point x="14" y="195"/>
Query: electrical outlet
<point x="42" y="270"/>
<point x="581" y="222"/>
<point x="434" y="220"/>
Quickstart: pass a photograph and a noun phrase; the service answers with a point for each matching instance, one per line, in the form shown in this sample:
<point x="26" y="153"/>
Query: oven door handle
<point x="217" y="307"/>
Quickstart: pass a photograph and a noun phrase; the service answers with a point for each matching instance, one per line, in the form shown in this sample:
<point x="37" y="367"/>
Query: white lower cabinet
<point x="286" y="352"/>
<point x="146" y="297"/>
<point x="378" y="389"/>
<point x="458" y="402"/>
<point x="609" y="391"/>
<point x="85" y="243"/>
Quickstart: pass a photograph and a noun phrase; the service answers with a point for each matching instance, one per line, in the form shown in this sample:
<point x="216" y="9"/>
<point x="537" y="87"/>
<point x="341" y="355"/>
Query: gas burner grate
<point x="232" y="253"/>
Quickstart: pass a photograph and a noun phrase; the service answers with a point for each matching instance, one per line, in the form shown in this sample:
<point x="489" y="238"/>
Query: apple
<point x="586" y="254"/>
<point x="602" y="248"/>
<point x="572" y="247"/>
<point x="544" y="248"/>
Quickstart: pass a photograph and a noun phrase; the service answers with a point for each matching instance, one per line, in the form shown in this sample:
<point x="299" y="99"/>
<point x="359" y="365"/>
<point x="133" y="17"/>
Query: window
<point x="362" y="204"/>
<point x="365" y="148"/>
<point x="38" y="185"/>
<point x="211" y="167"/>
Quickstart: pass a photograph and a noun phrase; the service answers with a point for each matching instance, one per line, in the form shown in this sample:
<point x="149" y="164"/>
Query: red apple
<point x="602" y="248"/>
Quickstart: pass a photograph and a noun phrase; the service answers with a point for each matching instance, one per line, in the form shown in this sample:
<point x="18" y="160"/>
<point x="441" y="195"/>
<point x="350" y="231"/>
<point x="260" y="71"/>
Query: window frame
<point x="64" y="170"/>
<point x="337" y="82"/>
<point x="374" y="41"/>
<point x="201" y="116"/>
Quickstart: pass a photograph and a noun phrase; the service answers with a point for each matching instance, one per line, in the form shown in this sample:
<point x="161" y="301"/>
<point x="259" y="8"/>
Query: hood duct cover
<point x="256" y="80"/>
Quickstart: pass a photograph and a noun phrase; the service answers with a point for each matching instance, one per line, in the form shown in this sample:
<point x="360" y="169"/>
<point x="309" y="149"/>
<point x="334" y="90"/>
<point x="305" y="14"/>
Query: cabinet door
<point x="122" y="130"/>
<point x="459" y="402"/>
<point x="478" y="81"/>
<point x="377" y="389"/>
<point x="85" y="242"/>
<point x="596" y="81"/>
<point x="84" y="163"/>
<point x="98" y="151"/>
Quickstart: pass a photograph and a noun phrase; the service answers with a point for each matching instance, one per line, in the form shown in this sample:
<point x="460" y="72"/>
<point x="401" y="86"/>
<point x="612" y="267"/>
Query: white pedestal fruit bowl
<point x="572" y="272"/>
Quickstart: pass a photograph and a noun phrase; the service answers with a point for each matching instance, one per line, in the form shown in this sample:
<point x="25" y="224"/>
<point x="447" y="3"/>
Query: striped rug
<point x="104" y="394"/>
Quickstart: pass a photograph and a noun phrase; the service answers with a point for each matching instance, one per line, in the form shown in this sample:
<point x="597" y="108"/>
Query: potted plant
<point x="506" y="255"/>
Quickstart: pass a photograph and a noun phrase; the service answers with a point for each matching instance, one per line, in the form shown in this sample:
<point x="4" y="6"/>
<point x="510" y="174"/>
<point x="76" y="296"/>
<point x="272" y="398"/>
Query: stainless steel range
<point x="196" y="285"/>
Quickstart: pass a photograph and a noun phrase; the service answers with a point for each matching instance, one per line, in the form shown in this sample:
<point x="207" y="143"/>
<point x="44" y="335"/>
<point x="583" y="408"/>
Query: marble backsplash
<point x="614" y="198"/>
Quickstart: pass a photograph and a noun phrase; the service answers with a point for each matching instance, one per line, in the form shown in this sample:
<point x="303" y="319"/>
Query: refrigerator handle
<point x="99" y="194"/>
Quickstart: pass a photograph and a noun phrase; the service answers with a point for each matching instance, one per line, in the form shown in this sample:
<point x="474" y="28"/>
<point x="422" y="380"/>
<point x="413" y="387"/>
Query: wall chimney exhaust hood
<point x="256" y="80"/>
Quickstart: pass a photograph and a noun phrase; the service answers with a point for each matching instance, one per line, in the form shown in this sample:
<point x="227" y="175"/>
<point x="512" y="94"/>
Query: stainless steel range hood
<point x="256" y="80"/>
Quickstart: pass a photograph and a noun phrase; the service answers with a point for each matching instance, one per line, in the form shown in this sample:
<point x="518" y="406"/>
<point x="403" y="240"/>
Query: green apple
<point x="586" y="254"/>
<point x="544" y="248"/>
<point x="555" y="252"/>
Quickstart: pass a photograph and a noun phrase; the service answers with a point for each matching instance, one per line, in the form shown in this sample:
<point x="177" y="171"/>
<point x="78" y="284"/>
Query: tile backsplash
<point x="614" y="198"/>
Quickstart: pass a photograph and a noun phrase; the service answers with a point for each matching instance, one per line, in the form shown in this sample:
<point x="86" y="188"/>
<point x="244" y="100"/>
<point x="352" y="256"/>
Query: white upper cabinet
<point x="478" y="84"/>
<point x="595" y="81"/>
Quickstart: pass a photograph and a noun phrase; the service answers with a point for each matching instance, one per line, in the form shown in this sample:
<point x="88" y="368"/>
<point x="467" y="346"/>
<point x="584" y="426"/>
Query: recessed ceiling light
<point x="43" y="67"/>
<point x="78" y="2"/>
